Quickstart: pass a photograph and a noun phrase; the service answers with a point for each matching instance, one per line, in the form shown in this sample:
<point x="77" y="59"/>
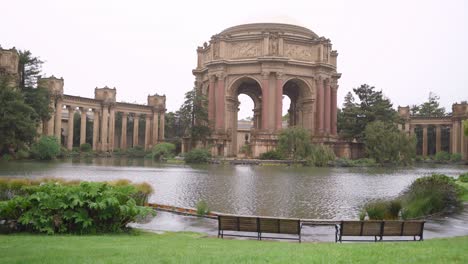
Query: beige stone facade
<point x="451" y="126"/>
<point x="266" y="62"/>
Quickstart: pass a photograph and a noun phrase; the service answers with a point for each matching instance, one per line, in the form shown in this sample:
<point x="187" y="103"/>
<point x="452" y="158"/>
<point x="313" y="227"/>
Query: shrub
<point x="22" y="154"/>
<point x="136" y="152"/>
<point x="320" y="156"/>
<point x="442" y="156"/>
<point x="163" y="151"/>
<point x="463" y="177"/>
<point x="86" y="147"/>
<point x="271" y="155"/>
<point x="294" y="143"/>
<point x="429" y="195"/>
<point x="202" y="208"/>
<point x="46" y="148"/>
<point x="382" y="210"/>
<point x="197" y="156"/>
<point x="86" y="207"/>
<point x="455" y="157"/>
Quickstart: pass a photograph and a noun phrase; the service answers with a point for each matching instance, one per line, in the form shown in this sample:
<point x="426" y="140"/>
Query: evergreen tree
<point x="431" y="108"/>
<point x="193" y="116"/>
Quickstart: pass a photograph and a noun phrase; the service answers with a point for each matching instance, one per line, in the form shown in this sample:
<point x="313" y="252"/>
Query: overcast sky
<point x="405" y="48"/>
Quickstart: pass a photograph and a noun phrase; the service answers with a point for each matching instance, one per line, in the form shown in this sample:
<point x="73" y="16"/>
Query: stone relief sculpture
<point x="273" y="45"/>
<point x="298" y="52"/>
<point x="245" y="49"/>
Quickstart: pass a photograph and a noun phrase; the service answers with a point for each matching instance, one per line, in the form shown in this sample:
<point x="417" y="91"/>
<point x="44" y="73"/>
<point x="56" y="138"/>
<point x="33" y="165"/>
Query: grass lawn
<point x="194" y="248"/>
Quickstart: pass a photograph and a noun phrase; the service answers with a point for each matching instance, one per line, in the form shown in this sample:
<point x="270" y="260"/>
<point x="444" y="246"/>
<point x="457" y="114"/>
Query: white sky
<point x="406" y="48"/>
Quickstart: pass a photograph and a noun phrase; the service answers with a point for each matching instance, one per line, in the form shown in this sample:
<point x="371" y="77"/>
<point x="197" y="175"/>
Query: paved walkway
<point x="455" y="225"/>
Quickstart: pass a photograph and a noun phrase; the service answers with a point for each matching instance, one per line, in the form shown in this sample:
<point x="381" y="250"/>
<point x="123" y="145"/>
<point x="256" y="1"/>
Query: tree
<point x="465" y="126"/>
<point x="429" y="108"/>
<point x="29" y="69"/>
<point x="372" y="106"/>
<point x="386" y="144"/>
<point x="193" y="116"/>
<point x="294" y="142"/>
<point x="17" y="126"/>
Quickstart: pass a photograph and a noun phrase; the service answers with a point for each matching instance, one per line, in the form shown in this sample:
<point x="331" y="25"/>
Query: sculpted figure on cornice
<point x="245" y="49"/>
<point x="273" y="44"/>
<point x="298" y="52"/>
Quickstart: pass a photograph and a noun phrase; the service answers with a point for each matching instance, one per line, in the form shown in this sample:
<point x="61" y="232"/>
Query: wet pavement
<point x="438" y="227"/>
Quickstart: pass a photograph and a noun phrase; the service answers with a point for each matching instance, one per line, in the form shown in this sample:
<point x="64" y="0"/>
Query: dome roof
<point x="261" y="27"/>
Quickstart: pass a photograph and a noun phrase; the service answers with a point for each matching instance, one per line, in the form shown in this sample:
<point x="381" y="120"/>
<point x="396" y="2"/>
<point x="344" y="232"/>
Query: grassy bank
<point x="193" y="248"/>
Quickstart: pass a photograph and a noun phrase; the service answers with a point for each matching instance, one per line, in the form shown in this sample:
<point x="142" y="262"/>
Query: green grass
<point x="194" y="248"/>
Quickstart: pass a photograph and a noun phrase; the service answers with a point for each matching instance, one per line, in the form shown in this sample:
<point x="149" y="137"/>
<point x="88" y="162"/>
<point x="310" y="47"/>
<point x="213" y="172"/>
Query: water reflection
<point x="325" y="193"/>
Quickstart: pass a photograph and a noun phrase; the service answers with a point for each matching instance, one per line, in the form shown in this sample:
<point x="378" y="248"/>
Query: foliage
<point x="193" y="116"/>
<point x="463" y="177"/>
<point x="386" y="144"/>
<point x="60" y="207"/>
<point x="294" y="143"/>
<point x="17" y="126"/>
<point x="202" y="208"/>
<point x="163" y="151"/>
<point x="46" y="148"/>
<point x="364" y="162"/>
<point x="271" y="155"/>
<point x="29" y="69"/>
<point x="86" y="147"/>
<point x="89" y="129"/>
<point x="355" y="116"/>
<point x="431" y="108"/>
<point x="246" y="150"/>
<point x="136" y="152"/>
<point x="455" y="157"/>
<point x="320" y="155"/>
<point x="465" y="127"/>
<point x="197" y="156"/>
<point x="429" y="195"/>
<point x="383" y="210"/>
<point x="442" y="156"/>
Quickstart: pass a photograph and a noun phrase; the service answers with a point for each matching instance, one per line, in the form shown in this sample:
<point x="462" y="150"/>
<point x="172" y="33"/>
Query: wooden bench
<point x="258" y="225"/>
<point x="379" y="229"/>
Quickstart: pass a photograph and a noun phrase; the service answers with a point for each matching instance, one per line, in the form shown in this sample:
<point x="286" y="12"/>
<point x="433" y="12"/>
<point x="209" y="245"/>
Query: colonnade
<point x="326" y="101"/>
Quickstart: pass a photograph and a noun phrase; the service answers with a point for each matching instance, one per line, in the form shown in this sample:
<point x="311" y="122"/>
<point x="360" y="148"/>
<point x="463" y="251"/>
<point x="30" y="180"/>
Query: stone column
<point x="104" y="126"/>
<point x="71" y="113"/>
<point x="155" y="127"/>
<point x="147" y="132"/>
<point x="279" y="101"/>
<point x="334" y="112"/>
<point x="455" y="132"/>
<point x="58" y="119"/>
<point x="462" y="142"/>
<point x="438" y="138"/>
<point x="320" y="105"/>
<point x="83" y="125"/>
<point x="327" y="107"/>
<point x="265" y="98"/>
<point x="123" y="135"/>
<point x="50" y="122"/>
<point x="220" y="103"/>
<point x="211" y="101"/>
<point x="95" y="129"/>
<point x="111" y="128"/>
<point x="161" y="126"/>
<point x="424" y="143"/>
<point x="135" y="130"/>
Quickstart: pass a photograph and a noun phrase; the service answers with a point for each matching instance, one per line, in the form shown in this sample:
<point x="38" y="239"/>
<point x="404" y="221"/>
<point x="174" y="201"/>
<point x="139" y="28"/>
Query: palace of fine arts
<point x="262" y="132"/>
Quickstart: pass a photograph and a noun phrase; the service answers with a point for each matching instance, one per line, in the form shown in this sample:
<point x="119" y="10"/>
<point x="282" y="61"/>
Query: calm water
<point x="326" y="193"/>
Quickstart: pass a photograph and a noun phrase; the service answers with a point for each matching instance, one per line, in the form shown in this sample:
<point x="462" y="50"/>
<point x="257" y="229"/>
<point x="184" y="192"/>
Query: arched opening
<point x="245" y="114"/>
<point x="297" y="104"/>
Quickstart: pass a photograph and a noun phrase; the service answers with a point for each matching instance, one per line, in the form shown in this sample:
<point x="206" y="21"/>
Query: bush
<point x="455" y="157"/>
<point x="202" y="208"/>
<point x="59" y="207"/>
<point x="163" y="151"/>
<point x="197" y="156"/>
<point x="271" y="155"/>
<point x="46" y="148"/>
<point x="463" y="177"/>
<point x="442" y="156"/>
<point x="294" y="143"/>
<point x="430" y="195"/>
<point x="86" y="147"/>
<point x="320" y="156"/>
<point x="136" y="152"/>
<point x="382" y="210"/>
<point x="22" y="154"/>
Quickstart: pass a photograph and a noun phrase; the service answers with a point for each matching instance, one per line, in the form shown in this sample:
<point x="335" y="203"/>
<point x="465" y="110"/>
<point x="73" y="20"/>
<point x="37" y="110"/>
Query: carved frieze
<point x="245" y="49"/>
<point x="298" y="52"/>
